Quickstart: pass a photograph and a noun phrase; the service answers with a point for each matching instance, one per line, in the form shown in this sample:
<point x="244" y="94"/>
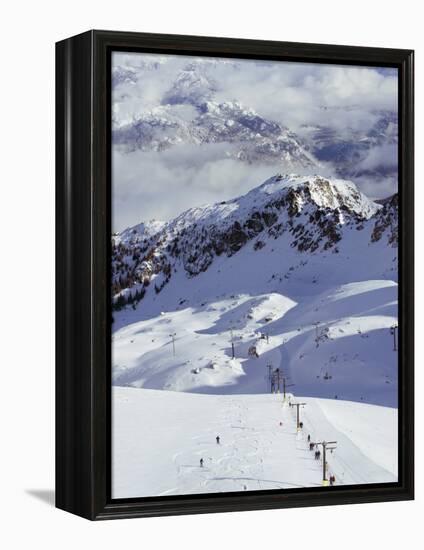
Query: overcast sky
<point x="149" y="185"/>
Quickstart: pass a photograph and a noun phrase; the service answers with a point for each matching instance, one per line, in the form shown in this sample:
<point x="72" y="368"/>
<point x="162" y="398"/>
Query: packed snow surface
<point x="159" y="438"/>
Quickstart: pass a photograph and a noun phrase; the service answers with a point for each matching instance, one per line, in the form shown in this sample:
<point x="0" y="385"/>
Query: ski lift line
<point x="357" y="477"/>
<point x="329" y="468"/>
<point x="324" y="445"/>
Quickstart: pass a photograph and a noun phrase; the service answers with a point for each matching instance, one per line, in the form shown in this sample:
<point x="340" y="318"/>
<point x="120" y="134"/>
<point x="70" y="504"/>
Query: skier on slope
<point x="201" y="462"/>
<point x="309" y="438"/>
<point x="217" y="439"/>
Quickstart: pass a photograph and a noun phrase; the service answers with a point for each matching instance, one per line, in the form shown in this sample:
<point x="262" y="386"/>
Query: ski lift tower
<point x="317" y="332"/>
<point x="270" y="377"/>
<point x="285" y="386"/>
<point x="298" y="405"/>
<point x="326" y="446"/>
<point x="232" y="342"/>
<point x="393" y="330"/>
<point x="172" y="336"/>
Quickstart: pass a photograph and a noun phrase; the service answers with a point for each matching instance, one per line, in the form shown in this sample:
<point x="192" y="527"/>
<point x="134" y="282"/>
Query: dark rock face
<point x="235" y="238"/>
<point x="386" y="221"/>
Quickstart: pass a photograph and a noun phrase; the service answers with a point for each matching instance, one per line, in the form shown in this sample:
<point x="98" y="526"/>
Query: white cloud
<point x="380" y="156"/>
<point x="378" y="187"/>
<point x="161" y="185"/>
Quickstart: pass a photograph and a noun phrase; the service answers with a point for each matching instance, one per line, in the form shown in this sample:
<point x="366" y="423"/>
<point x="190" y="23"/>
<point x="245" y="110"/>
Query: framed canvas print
<point x="234" y="274"/>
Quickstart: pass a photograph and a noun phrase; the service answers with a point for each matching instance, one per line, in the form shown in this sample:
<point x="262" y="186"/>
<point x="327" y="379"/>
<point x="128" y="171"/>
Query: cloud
<point x="378" y="187"/>
<point x="161" y="185"/>
<point x="298" y="94"/>
<point x="149" y="185"/>
<point x="292" y="93"/>
<point x="383" y="156"/>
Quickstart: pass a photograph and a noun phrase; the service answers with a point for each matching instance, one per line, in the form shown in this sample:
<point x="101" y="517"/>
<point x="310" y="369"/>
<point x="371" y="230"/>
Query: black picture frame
<point x="83" y="229"/>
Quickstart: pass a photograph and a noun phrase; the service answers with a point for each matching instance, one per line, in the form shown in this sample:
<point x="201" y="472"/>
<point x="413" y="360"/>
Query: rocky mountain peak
<point x="310" y="214"/>
<point x="192" y="86"/>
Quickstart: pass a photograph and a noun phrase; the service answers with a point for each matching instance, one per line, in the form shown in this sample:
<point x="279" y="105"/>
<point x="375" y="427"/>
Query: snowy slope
<point x="159" y="438"/>
<point x="143" y="230"/>
<point x="303" y="270"/>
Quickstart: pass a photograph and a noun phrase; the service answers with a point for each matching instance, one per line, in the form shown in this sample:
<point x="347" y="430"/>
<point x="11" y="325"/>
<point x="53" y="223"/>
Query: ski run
<point x="159" y="438"/>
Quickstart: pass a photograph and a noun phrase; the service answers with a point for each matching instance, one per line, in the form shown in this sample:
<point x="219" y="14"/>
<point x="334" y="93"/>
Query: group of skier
<point x="312" y="447"/>
<point x="218" y="441"/>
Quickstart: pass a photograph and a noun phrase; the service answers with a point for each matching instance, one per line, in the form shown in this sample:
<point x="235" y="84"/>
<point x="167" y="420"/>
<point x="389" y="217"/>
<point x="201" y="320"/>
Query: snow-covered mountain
<point x="189" y="113"/>
<point x="247" y="135"/>
<point x="311" y="213"/>
<point x="193" y="85"/>
<point x="191" y="110"/>
<point x="303" y="270"/>
<point x="292" y="283"/>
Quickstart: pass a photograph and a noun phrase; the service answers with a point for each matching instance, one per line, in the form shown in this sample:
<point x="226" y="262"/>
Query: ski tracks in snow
<point x="248" y="457"/>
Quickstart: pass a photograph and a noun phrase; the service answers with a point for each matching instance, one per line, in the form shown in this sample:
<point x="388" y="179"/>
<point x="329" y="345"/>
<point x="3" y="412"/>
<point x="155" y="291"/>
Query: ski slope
<point x="159" y="438"/>
<point x="348" y="355"/>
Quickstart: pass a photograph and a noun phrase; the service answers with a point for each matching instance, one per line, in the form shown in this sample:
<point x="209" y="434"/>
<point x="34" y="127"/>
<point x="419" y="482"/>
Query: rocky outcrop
<point x="386" y="221"/>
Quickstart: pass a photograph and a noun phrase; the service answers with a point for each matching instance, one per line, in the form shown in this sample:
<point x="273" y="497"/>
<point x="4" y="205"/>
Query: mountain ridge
<point x="315" y="214"/>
